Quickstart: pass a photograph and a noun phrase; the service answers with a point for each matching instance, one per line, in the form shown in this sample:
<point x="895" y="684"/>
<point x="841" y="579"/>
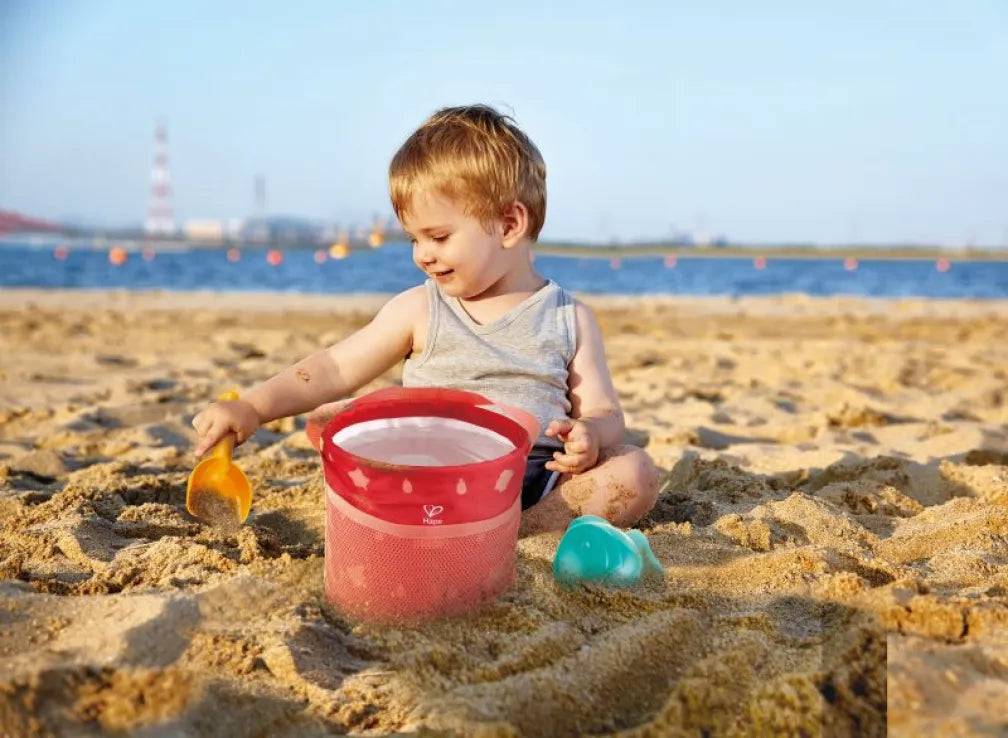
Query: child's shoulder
<point x="569" y="299"/>
<point x="586" y="323"/>
<point x="406" y="311"/>
<point x="407" y="305"/>
<point x="412" y="297"/>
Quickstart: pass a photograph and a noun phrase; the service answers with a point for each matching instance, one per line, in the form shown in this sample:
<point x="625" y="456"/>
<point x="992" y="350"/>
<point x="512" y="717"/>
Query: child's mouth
<point x="443" y="275"/>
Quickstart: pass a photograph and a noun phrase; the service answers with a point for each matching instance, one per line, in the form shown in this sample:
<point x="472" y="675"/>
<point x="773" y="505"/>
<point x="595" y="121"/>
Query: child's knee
<point x="634" y="487"/>
<point x="646" y="479"/>
<point x="649" y="473"/>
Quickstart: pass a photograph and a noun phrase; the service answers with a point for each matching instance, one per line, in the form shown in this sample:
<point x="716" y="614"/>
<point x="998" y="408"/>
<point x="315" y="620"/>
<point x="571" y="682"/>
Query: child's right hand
<point x="223" y="417"/>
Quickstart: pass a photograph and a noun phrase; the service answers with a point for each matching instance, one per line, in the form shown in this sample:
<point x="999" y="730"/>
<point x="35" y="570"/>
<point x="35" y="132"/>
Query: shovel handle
<point x="224" y="448"/>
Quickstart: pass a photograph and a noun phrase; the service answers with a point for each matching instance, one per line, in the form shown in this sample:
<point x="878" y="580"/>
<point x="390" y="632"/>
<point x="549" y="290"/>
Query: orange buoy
<point x="759" y="263"/>
<point x="233" y="254"/>
<point x="148" y="253"/>
<point x="615" y="263"/>
<point x="670" y="261"/>
<point x="850" y="264"/>
<point x="60" y="253"/>
<point x="339" y="251"/>
<point x="117" y="255"/>
<point x="943" y="265"/>
<point x="321" y="256"/>
<point x="274" y="257"/>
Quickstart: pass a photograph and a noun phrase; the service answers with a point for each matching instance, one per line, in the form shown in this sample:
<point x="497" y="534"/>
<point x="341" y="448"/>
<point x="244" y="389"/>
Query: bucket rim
<point x="436" y="402"/>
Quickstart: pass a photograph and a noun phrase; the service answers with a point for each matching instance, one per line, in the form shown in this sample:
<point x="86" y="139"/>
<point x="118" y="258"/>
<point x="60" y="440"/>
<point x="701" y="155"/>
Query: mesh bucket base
<point x="378" y="576"/>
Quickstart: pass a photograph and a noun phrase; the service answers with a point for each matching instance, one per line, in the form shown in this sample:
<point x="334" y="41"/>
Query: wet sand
<point x="833" y="526"/>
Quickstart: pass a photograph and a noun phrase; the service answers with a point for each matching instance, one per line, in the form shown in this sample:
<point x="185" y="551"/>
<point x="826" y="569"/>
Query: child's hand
<point x="221" y="418"/>
<point x="581" y="446"/>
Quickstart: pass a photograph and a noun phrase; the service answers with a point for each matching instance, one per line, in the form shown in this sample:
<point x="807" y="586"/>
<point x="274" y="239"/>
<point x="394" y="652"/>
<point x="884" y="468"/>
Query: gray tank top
<point x="519" y="359"/>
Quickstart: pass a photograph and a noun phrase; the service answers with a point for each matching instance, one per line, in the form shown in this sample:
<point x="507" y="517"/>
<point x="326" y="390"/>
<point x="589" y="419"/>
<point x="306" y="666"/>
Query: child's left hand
<point x="581" y="446"/>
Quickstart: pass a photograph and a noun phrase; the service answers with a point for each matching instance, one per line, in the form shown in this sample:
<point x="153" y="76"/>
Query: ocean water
<point x="390" y="269"/>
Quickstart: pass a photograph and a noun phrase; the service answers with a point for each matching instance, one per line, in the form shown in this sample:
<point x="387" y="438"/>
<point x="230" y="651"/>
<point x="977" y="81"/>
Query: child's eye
<point x="440" y="239"/>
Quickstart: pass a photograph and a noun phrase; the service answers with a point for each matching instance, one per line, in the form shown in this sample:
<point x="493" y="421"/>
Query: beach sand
<point x="833" y="525"/>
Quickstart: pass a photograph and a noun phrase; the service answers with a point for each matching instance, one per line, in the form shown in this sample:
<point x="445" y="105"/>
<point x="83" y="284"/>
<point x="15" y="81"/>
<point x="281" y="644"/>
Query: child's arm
<point x="596" y="417"/>
<point x="326" y="375"/>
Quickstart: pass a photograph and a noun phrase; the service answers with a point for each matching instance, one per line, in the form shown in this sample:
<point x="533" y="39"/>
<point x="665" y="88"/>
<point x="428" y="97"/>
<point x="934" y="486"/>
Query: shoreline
<point x="839" y="253"/>
<point x="273" y="301"/>
<point x="581" y="250"/>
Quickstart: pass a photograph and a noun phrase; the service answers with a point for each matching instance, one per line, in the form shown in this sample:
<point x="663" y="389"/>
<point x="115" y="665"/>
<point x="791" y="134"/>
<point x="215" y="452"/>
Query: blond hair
<point x="478" y="158"/>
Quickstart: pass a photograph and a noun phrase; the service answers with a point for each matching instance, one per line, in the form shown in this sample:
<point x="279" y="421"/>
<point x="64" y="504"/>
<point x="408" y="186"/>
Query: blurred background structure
<point x="160" y="215"/>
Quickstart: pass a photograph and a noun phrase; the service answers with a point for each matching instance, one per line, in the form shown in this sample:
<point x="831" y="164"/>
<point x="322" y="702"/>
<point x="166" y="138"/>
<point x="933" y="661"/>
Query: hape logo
<point x="431" y="511"/>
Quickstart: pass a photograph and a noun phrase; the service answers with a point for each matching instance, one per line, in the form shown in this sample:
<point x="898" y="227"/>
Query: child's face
<point x="455" y="248"/>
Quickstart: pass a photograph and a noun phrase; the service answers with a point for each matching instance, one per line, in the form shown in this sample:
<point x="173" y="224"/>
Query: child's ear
<point x="514" y="224"/>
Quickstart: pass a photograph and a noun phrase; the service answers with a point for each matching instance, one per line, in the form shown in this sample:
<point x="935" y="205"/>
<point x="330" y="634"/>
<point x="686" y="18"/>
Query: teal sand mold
<point x="593" y="551"/>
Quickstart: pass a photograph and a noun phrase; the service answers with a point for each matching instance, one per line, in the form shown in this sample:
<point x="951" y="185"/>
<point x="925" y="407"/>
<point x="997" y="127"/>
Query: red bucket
<point x="423" y="501"/>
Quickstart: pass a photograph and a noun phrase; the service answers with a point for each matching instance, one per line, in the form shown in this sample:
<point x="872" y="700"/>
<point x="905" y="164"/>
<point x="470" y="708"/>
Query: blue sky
<point x="835" y="122"/>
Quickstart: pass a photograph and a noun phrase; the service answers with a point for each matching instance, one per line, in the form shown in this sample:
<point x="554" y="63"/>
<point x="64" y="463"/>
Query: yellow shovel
<point x="218" y="492"/>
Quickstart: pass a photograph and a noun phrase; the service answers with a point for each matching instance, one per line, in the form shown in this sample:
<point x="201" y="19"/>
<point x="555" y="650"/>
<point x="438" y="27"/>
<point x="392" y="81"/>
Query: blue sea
<point x="390" y="269"/>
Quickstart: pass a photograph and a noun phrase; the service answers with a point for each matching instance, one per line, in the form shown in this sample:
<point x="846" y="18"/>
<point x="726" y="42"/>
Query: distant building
<point x="682" y="238"/>
<point x="233" y="228"/>
<point x="160" y="214"/>
<point x="284" y="230"/>
<point x="204" y="231"/>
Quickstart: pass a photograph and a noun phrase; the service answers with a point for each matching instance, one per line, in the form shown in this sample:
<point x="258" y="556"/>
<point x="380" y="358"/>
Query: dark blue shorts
<point x="539" y="480"/>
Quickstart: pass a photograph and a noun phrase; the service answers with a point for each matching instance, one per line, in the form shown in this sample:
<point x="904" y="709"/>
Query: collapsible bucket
<point x="423" y="501"/>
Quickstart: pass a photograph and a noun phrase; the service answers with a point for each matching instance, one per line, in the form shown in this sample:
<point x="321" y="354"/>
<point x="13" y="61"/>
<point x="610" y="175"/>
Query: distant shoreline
<point x="267" y="301"/>
<point x="571" y="249"/>
<point x="865" y="253"/>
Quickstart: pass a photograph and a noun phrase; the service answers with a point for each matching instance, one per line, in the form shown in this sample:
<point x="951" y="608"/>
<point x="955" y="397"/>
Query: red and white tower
<point x="160" y="218"/>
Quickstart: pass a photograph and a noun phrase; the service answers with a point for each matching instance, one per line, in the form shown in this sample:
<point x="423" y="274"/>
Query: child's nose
<point x="423" y="256"/>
